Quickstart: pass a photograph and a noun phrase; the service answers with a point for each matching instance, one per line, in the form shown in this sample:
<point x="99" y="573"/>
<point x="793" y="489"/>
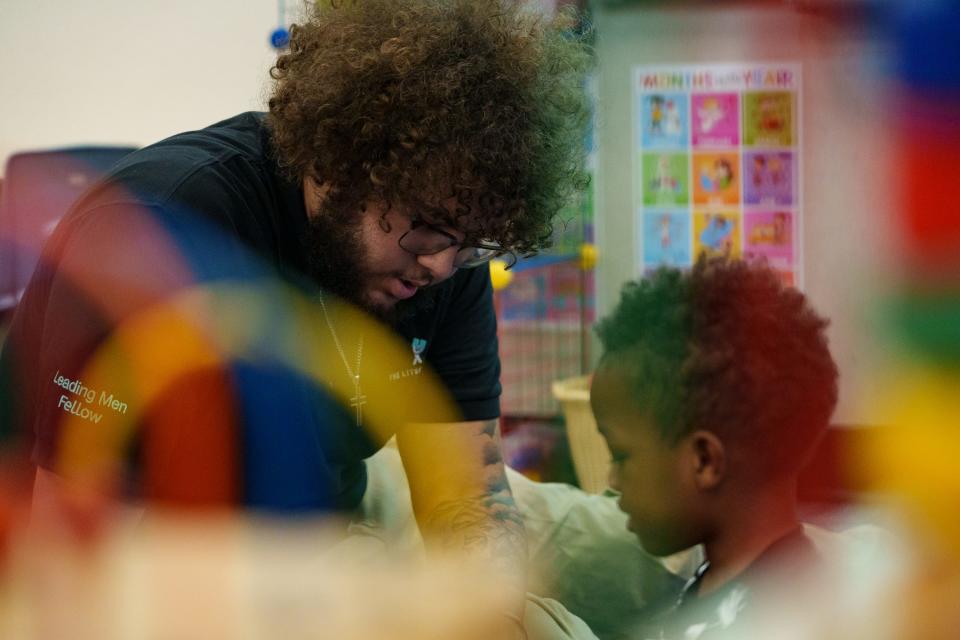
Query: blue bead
<point x="928" y="44"/>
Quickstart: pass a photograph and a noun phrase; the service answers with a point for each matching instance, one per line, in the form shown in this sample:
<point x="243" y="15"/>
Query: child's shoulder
<point x="719" y="613"/>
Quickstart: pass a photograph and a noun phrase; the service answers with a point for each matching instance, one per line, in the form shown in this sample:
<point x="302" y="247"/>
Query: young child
<point x="714" y="388"/>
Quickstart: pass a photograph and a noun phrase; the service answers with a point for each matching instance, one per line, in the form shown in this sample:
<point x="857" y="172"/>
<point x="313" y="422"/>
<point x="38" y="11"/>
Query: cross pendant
<point x="357" y="401"/>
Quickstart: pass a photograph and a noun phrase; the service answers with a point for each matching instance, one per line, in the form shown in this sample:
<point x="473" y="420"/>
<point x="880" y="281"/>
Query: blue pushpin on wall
<point x="280" y="37"/>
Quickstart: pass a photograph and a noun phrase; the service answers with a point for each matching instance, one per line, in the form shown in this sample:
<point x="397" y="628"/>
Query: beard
<point x="336" y="259"/>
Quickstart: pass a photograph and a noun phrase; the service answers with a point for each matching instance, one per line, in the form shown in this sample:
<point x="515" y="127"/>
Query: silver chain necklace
<point x="358" y="399"/>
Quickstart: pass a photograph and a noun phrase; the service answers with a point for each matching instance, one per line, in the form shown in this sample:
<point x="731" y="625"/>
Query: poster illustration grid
<point x="717" y="165"/>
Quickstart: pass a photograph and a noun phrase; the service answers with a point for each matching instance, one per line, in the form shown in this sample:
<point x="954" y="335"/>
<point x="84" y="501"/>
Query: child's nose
<point x="613" y="478"/>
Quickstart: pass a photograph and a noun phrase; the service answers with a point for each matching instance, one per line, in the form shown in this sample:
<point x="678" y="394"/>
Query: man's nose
<point x="439" y="264"/>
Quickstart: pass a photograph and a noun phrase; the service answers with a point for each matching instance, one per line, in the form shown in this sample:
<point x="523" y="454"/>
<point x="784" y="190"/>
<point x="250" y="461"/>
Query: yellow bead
<point x="915" y="457"/>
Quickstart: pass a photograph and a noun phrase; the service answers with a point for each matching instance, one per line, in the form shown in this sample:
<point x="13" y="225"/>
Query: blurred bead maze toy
<point x="915" y="458"/>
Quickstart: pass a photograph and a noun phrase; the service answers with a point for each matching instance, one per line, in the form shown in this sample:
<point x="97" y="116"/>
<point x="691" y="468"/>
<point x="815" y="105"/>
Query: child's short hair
<point x="726" y="347"/>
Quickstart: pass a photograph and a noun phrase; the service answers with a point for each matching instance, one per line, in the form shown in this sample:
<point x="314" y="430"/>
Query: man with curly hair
<point x="714" y="388"/>
<point x="407" y="143"/>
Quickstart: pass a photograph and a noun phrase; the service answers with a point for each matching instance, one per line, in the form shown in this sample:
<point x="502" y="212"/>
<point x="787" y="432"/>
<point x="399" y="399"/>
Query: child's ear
<point x="709" y="459"/>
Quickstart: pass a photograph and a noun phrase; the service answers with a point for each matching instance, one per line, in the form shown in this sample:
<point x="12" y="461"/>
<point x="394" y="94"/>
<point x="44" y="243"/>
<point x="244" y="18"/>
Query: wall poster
<point x="717" y="165"/>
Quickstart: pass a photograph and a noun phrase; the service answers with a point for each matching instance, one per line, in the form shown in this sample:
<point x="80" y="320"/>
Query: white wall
<point x="847" y="150"/>
<point x="132" y="72"/>
<point x="126" y="72"/>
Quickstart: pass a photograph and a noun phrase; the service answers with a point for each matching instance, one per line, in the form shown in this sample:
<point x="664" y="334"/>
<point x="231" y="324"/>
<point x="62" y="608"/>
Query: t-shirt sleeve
<point x="465" y="350"/>
<point x="104" y="269"/>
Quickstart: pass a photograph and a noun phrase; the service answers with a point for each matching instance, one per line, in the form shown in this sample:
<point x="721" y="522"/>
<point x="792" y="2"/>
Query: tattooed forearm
<point x="485" y="524"/>
<point x="499" y="501"/>
<point x="488" y="525"/>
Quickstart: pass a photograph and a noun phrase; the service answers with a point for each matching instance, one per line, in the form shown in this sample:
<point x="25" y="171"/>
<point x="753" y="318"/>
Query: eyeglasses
<point x="425" y="239"/>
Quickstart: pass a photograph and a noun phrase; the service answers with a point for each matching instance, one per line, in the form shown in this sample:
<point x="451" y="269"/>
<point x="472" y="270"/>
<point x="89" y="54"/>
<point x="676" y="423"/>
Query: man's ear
<point x="314" y="193"/>
<point x="708" y="458"/>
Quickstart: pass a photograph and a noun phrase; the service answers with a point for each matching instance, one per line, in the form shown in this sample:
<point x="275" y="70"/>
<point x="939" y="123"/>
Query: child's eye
<point x="617" y="457"/>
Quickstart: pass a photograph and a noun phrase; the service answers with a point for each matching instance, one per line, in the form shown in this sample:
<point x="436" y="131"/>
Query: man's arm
<point x="461" y="497"/>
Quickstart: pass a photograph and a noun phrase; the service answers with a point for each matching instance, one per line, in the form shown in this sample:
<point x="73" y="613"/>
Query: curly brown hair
<point x="415" y="102"/>
<point x="726" y="347"/>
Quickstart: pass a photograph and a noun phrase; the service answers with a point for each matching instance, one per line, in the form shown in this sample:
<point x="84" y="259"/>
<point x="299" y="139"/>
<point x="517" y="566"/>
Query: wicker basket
<point x="591" y="457"/>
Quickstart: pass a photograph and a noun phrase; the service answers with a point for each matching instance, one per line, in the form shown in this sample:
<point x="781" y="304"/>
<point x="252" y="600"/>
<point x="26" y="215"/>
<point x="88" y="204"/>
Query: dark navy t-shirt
<point x="173" y="293"/>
